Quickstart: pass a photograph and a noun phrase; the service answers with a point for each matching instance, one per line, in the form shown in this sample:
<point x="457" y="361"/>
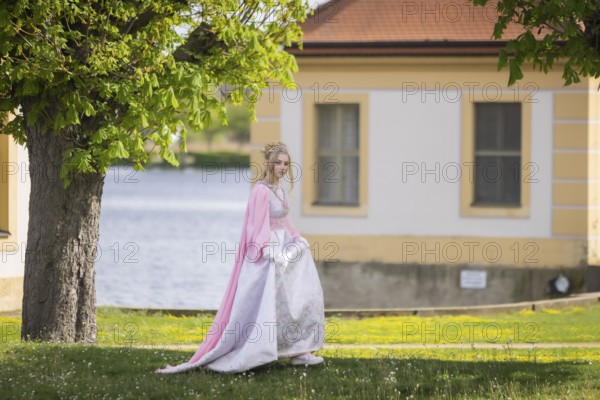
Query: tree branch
<point x="199" y="42"/>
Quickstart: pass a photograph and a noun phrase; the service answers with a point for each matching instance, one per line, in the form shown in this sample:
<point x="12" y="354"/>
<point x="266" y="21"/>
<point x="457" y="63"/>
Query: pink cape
<point x="256" y="235"/>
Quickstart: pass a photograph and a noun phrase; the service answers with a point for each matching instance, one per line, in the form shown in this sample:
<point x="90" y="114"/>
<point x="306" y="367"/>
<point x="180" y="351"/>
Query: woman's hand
<point x="277" y="257"/>
<point x="280" y="261"/>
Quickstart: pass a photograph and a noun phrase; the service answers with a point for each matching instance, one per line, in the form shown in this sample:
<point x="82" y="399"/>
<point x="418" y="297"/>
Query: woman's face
<point x="281" y="165"/>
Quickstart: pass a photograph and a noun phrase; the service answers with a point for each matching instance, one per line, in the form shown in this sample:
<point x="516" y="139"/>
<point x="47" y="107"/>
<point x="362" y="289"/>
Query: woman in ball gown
<point x="273" y="305"/>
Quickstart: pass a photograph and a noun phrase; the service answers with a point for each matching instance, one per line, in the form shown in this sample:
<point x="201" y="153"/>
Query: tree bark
<point x="59" y="303"/>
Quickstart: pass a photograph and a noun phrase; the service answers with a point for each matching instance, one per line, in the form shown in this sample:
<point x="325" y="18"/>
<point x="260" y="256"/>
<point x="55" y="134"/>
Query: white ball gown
<point x="270" y="309"/>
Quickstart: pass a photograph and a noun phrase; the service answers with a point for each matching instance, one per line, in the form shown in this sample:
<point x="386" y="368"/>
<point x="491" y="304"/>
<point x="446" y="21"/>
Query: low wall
<point x="580" y="300"/>
<point x="593" y="279"/>
<point x="377" y="285"/>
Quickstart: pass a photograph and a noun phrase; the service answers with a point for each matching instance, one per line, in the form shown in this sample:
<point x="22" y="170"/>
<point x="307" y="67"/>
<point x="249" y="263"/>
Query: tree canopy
<point x="110" y="75"/>
<point x="554" y="30"/>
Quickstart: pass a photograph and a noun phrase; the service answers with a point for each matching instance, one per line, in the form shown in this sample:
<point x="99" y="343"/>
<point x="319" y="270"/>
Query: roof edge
<point x="423" y="43"/>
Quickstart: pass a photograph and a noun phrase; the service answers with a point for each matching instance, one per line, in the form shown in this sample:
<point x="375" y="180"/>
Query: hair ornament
<point x="275" y="149"/>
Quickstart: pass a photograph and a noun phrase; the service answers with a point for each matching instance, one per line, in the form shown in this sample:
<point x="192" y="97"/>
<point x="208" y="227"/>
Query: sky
<point x="314" y="3"/>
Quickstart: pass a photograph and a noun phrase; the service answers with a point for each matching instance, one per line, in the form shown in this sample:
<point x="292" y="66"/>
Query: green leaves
<point x="117" y="150"/>
<point x="515" y="72"/>
<point x="170" y="99"/>
<point x="106" y="77"/>
<point x="502" y="59"/>
<point x="554" y="30"/>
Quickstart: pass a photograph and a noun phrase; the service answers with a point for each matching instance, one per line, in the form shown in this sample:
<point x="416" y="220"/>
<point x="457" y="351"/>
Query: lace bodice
<point x="277" y="201"/>
<point x="278" y="208"/>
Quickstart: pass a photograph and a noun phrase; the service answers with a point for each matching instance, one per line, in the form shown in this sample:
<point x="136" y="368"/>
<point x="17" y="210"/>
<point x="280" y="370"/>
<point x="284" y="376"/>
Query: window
<point x="497" y="154"/>
<point x="335" y="146"/>
<point x="337" y="169"/>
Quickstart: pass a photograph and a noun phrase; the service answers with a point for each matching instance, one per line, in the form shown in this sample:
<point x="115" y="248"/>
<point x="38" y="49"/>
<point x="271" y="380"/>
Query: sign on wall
<point x="471" y="279"/>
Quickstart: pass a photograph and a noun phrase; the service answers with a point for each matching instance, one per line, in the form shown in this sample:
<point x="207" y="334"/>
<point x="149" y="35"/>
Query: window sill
<point x="345" y="205"/>
<point x="335" y="210"/>
<point x="505" y="211"/>
<point x="495" y="205"/>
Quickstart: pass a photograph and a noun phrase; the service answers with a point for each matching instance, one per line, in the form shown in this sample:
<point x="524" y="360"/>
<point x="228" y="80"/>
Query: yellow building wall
<point x="576" y="163"/>
<point x="11" y="293"/>
<point x="265" y="129"/>
<point x="11" y="287"/>
<point x="448" y="250"/>
<point x="594" y="181"/>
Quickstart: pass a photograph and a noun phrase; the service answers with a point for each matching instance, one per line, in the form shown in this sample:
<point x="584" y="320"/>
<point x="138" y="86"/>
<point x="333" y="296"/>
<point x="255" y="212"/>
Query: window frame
<point x="310" y="155"/>
<point x="339" y="152"/>
<point x="501" y="153"/>
<point x="467" y="192"/>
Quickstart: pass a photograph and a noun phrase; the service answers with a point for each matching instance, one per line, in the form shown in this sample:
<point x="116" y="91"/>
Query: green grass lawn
<point x="575" y="324"/>
<point x="114" y="369"/>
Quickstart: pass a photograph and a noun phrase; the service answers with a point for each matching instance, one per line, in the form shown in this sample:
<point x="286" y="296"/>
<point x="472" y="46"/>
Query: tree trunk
<point x="59" y="302"/>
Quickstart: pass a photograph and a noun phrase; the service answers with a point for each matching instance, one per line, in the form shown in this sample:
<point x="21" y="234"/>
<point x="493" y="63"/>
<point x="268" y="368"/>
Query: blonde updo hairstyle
<point x="271" y="151"/>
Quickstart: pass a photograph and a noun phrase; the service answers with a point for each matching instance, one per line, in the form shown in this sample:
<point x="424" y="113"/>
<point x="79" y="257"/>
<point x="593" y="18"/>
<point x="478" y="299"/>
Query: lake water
<point x="168" y="240"/>
<point x="159" y="232"/>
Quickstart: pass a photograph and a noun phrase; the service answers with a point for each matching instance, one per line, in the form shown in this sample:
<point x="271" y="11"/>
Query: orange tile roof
<point x="402" y="27"/>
